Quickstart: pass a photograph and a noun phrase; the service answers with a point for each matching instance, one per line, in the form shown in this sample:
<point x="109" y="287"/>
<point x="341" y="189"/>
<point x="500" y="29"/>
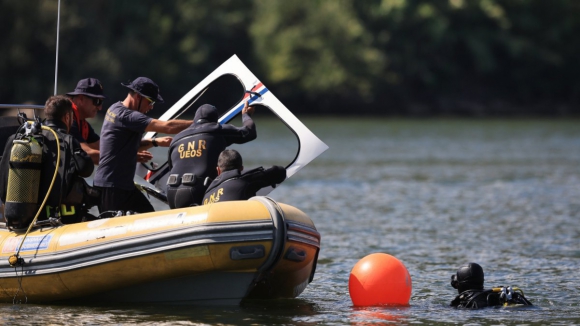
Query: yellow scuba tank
<point x="23" y="181"/>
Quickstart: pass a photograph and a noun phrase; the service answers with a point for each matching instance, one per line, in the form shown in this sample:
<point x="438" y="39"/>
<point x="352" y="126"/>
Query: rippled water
<point x="433" y="193"/>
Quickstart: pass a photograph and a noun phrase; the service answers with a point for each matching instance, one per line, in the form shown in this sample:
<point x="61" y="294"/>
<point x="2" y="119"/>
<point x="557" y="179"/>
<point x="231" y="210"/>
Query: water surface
<point x="434" y="193"/>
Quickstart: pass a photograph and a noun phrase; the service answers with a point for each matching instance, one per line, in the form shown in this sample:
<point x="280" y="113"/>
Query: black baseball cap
<point x="90" y="87"/>
<point x="145" y="87"/>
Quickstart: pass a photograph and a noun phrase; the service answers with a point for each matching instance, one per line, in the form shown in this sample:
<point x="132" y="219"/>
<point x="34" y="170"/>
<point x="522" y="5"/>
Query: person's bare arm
<point x="151" y="142"/>
<point x="170" y="127"/>
<point x="92" y="150"/>
<point x="144" y="156"/>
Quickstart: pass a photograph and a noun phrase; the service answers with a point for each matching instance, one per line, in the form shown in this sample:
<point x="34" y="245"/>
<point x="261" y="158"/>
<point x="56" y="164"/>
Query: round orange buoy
<point x="379" y="279"/>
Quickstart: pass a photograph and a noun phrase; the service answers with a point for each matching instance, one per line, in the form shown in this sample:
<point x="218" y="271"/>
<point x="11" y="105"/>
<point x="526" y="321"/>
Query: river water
<point x="435" y="194"/>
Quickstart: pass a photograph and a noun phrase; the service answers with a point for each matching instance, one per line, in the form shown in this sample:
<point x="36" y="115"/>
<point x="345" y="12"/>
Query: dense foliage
<point x="404" y="57"/>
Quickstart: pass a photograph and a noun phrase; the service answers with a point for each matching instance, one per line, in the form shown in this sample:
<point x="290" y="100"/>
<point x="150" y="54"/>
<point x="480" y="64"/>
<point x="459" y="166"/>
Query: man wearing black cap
<point x="87" y="100"/>
<point x="193" y="154"/>
<point x="469" y="284"/>
<point x="123" y="128"/>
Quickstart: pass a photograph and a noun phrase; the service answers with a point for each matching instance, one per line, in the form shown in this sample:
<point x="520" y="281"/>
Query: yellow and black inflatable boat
<point x="212" y="254"/>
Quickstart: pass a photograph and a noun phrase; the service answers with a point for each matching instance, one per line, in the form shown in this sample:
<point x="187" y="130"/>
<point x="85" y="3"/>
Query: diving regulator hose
<point x="15" y="259"/>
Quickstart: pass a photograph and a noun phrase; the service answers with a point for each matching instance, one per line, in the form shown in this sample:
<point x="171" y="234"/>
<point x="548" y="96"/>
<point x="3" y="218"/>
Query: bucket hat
<point x="145" y="87"/>
<point x="89" y="86"/>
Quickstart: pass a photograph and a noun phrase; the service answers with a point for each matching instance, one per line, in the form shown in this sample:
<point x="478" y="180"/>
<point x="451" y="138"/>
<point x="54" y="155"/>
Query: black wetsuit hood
<point x="206" y="113"/>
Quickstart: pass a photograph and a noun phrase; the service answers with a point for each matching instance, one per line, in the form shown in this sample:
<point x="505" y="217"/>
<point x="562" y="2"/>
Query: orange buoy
<point x="379" y="279"/>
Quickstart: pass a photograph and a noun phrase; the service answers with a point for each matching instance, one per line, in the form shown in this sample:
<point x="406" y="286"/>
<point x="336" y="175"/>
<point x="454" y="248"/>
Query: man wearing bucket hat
<point x="87" y="100"/>
<point x="123" y="128"/>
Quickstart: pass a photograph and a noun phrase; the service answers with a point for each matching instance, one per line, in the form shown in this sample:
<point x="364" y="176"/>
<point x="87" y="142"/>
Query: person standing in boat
<point x="469" y="284"/>
<point x="87" y="100"/>
<point x="232" y="184"/>
<point x="67" y="195"/>
<point x="193" y="154"/>
<point x="124" y="125"/>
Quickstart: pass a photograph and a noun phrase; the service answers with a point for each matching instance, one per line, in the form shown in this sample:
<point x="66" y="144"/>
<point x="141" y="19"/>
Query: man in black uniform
<point x="67" y="196"/>
<point x="193" y="154"/>
<point x="232" y="184"/>
<point x="469" y="283"/>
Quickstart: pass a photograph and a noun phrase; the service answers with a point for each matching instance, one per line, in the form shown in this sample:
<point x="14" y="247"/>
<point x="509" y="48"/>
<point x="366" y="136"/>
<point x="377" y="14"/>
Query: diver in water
<point x="469" y="284"/>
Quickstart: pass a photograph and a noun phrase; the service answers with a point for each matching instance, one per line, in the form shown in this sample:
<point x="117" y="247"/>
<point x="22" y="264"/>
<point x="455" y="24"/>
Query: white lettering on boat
<point x="31" y="243"/>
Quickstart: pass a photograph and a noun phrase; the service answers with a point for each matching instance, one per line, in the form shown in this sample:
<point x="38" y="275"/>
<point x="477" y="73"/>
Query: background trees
<point x="379" y="57"/>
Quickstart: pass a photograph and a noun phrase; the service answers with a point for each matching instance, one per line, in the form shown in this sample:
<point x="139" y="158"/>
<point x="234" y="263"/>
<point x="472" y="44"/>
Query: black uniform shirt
<point x="233" y="185"/>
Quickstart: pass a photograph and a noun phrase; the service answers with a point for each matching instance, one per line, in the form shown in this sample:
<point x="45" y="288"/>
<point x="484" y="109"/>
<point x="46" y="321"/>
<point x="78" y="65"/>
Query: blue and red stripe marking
<point x="258" y="88"/>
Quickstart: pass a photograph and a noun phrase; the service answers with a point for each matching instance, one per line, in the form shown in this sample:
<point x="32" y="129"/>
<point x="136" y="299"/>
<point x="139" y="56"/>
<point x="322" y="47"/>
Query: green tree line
<point x="373" y="57"/>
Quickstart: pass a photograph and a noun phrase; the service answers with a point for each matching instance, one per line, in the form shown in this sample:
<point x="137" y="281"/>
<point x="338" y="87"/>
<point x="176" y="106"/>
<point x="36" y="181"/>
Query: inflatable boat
<point x="213" y="254"/>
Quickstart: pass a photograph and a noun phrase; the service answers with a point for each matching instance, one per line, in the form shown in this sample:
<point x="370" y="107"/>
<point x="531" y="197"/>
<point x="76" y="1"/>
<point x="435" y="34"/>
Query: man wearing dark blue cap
<point x="87" y="100"/>
<point x="123" y="128"/>
<point x="193" y="154"/>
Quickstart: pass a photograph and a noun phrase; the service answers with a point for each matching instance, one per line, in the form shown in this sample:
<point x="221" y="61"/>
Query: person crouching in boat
<point x="67" y="195"/>
<point x="194" y="152"/>
<point x="469" y="284"/>
<point x="232" y="184"/>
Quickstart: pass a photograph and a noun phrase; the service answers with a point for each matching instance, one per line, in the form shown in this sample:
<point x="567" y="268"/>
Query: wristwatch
<point x="154" y="142"/>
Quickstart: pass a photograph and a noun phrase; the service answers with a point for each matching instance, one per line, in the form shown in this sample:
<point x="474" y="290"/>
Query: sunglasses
<point x="151" y="102"/>
<point x="97" y="101"/>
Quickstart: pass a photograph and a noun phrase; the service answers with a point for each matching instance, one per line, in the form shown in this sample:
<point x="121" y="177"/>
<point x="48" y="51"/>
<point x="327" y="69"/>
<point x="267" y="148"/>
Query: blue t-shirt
<point x="120" y="139"/>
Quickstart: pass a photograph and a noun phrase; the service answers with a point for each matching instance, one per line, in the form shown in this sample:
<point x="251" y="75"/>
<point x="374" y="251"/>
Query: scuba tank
<point x="24" y="177"/>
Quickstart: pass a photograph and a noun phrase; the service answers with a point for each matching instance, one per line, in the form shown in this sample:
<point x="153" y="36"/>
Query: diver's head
<point x="206" y="113"/>
<point x="468" y="277"/>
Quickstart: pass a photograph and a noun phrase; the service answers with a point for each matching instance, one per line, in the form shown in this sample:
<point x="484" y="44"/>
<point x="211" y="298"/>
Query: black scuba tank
<point x="23" y="181"/>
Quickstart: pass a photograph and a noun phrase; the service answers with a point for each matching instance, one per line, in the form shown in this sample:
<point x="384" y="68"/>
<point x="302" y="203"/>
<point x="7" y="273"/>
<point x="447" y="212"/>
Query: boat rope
<point x="19" y="278"/>
<point x="15" y="259"/>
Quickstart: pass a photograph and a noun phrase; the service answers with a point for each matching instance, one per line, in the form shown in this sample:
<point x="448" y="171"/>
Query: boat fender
<point x="24" y="179"/>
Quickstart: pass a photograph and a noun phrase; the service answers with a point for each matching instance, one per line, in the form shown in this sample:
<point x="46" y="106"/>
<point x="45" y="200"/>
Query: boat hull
<point x="213" y="254"/>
